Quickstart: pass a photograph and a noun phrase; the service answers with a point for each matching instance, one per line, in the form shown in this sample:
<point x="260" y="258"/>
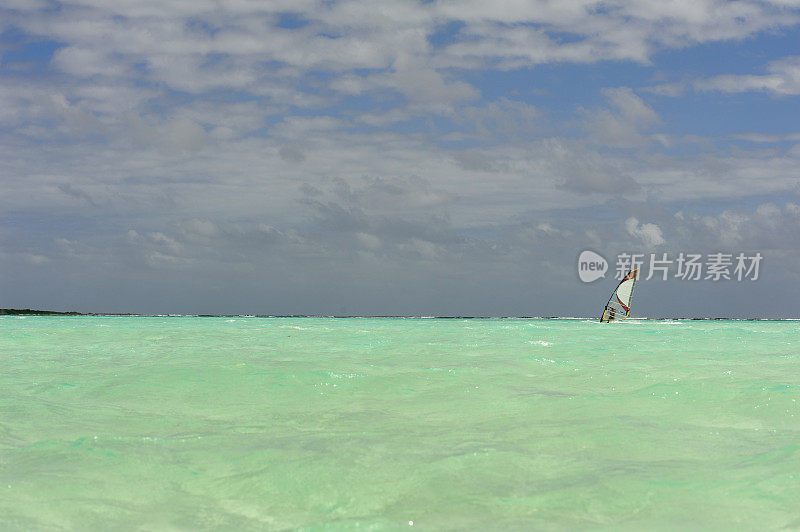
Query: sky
<point x="432" y="157"/>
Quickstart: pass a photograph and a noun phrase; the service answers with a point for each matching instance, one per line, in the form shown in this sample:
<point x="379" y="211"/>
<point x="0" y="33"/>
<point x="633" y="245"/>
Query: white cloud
<point x="768" y="138"/>
<point x="83" y="62"/>
<point x="768" y="227"/>
<point x="181" y="44"/>
<point x="503" y="119"/>
<point x="782" y="79"/>
<point x="172" y="136"/>
<point x="624" y="126"/>
<point x="369" y="241"/>
<point x="672" y="90"/>
<point x="649" y="233"/>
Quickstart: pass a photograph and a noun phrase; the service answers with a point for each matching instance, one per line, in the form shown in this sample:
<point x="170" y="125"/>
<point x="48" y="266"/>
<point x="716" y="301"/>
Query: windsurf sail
<point x="619" y="304"/>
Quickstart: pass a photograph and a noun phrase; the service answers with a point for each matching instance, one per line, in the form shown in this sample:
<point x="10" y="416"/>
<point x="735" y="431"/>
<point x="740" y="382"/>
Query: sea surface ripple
<point x="187" y="423"/>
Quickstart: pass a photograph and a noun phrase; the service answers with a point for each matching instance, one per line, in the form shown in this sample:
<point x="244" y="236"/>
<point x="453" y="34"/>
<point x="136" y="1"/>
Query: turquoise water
<point x="185" y="423"/>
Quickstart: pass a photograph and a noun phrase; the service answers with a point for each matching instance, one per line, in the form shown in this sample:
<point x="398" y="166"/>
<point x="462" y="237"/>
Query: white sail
<point x="625" y="292"/>
<point x="619" y="304"/>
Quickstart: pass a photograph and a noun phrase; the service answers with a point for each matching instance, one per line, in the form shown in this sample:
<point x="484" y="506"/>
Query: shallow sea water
<point x="187" y="423"/>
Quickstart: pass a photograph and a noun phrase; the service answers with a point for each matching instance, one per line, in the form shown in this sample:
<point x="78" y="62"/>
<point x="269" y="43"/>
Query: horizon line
<point x="34" y="312"/>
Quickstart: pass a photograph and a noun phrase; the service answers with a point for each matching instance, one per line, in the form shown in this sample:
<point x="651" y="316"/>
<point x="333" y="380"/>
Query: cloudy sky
<point x="397" y="157"/>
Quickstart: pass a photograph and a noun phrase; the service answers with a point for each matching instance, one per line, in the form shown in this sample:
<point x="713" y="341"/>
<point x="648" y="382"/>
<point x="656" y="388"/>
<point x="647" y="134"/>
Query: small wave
<point x="540" y="342"/>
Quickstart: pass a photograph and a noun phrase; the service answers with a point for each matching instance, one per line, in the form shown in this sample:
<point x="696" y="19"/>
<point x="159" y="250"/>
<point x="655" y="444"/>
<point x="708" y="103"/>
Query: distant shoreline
<point x="31" y="312"/>
<point x="34" y="312"/>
